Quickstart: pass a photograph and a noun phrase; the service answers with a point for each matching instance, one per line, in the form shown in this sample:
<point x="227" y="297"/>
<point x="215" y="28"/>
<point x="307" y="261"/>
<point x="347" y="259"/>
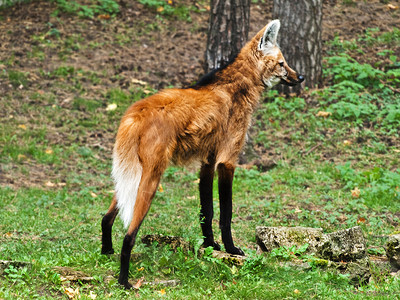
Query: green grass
<point x="56" y="139"/>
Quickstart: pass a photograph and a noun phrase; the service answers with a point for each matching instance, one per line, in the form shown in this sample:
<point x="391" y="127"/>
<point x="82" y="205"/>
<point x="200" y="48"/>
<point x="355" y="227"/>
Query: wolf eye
<point x="281" y="63"/>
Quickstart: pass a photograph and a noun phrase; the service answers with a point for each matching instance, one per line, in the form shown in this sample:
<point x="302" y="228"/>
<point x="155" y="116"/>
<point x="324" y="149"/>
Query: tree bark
<point x="227" y="32"/>
<point x="300" y="39"/>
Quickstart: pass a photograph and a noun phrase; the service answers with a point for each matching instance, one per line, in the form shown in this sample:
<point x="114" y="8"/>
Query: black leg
<point x="225" y="178"/>
<point x="106" y="228"/>
<point x="147" y="189"/>
<point x="129" y="242"/>
<point x="206" y="202"/>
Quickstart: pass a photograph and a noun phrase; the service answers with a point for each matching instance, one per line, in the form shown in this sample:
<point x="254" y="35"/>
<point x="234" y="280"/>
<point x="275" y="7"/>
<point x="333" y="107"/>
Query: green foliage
<point x="168" y="8"/>
<point x="379" y="187"/>
<point x="362" y="93"/>
<point x="17" y="78"/>
<point x="288" y="253"/>
<point x="96" y="7"/>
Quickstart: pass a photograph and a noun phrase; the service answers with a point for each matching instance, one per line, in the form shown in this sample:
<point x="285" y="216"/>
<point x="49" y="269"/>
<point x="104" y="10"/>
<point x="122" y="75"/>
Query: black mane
<point x="212" y="76"/>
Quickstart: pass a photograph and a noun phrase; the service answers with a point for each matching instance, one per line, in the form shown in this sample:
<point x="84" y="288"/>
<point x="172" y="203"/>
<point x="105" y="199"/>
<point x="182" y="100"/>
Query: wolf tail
<point x="127" y="174"/>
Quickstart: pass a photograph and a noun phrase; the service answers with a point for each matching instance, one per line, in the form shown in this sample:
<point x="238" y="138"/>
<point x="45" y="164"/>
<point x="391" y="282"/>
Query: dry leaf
<point x="347" y="143"/>
<point x="22" y="126"/>
<point x="48" y="151"/>
<point x="356" y="192"/>
<point x="160" y="188"/>
<point x="296" y="291"/>
<point x="72" y="294"/>
<point x="391" y="6"/>
<point x="138" y="284"/>
<point x="137" y="81"/>
<point x="104" y="17"/>
<point x="323" y="114"/>
<point x="140" y="269"/>
<point x="162" y="291"/>
<point x="160" y="9"/>
<point x="361" y="220"/>
<point x="92" y="295"/>
<point x="50" y="184"/>
<point x="21" y="157"/>
<point x="111" y="107"/>
<point x="93" y="195"/>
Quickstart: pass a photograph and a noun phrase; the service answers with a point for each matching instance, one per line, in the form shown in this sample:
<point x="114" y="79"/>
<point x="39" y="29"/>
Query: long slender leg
<point x="225" y="178"/>
<point x="206" y="202"/>
<point x="146" y="192"/>
<point x="106" y="228"/>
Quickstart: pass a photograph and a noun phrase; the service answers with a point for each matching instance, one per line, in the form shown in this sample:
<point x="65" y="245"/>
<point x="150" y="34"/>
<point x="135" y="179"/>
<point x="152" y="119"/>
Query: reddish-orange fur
<point x="205" y="123"/>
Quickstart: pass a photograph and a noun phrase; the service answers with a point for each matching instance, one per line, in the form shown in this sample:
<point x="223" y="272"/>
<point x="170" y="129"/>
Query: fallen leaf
<point x="361" y="220"/>
<point x="92" y="295"/>
<point x="140" y="269"/>
<point x="72" y="294"/>
<point x="50" y="184"/>
<point x="160" y="9"/>
<point x="162" y="291"/>
<point x="347" y="143"/>
<point x="93" y="195"/>
<point x="296" y="291"/>
<point x="22" y="126"/>
<point x="356" y="192"/>
<point x="323" y="114"/>
<point x="137" y="81"/>
<point x="48" y="151"/>
<point x="392" y="7"/>
<point x="21" y="157"/>
<point x="160" y="188"/>
<point x="138" y="284"/>
<point x="104" y="17"/>
<point x="111" y="107"/>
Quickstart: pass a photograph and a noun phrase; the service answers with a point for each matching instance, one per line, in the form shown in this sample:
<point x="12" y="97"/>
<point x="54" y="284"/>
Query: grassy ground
<point x="337" y="155"/>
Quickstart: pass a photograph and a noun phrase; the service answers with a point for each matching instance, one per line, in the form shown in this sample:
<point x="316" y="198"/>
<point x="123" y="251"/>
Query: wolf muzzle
<point x="292" y="82"/>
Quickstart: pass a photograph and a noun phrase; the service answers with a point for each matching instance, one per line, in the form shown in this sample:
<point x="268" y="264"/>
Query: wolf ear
<point x="270" y="34"/>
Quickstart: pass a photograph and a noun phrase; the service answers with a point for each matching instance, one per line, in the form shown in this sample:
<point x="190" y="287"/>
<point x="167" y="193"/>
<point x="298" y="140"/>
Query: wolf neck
<point x="242" y="79"/>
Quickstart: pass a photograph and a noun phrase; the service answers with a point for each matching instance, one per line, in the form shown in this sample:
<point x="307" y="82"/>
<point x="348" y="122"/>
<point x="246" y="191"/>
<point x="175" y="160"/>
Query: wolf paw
<point x="235" y="251"/>
<point x="213" y="244"/>
<point x="107" y="251"/>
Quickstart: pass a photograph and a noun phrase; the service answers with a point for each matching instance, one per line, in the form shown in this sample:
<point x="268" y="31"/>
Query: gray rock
<point x="343" y="245"/>
<point x="343" y="251"/>
<point x="268" y="238"/>
<point x="392" y="248"/>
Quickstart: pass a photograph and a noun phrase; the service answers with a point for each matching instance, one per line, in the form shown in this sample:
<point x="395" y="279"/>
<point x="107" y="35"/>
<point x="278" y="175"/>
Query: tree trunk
<point x="300" y="39"/>
<point x="227" y="32"/>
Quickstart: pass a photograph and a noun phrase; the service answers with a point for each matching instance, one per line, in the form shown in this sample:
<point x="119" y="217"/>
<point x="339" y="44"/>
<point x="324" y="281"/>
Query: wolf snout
<point x="293" y="81"/>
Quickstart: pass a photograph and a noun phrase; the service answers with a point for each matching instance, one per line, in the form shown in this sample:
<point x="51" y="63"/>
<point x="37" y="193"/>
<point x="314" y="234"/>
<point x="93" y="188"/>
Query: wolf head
<point x="274" y="68"/>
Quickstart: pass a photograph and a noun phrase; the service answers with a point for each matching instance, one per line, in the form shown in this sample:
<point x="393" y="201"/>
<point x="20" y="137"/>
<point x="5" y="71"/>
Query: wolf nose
<point x="301" y="78"/>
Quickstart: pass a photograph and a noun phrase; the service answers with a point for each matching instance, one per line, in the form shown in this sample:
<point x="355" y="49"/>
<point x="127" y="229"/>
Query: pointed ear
<point x="270" y="34"/>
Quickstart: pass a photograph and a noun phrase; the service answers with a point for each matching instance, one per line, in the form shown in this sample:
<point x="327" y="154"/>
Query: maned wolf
<point x="206" y="122"/>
